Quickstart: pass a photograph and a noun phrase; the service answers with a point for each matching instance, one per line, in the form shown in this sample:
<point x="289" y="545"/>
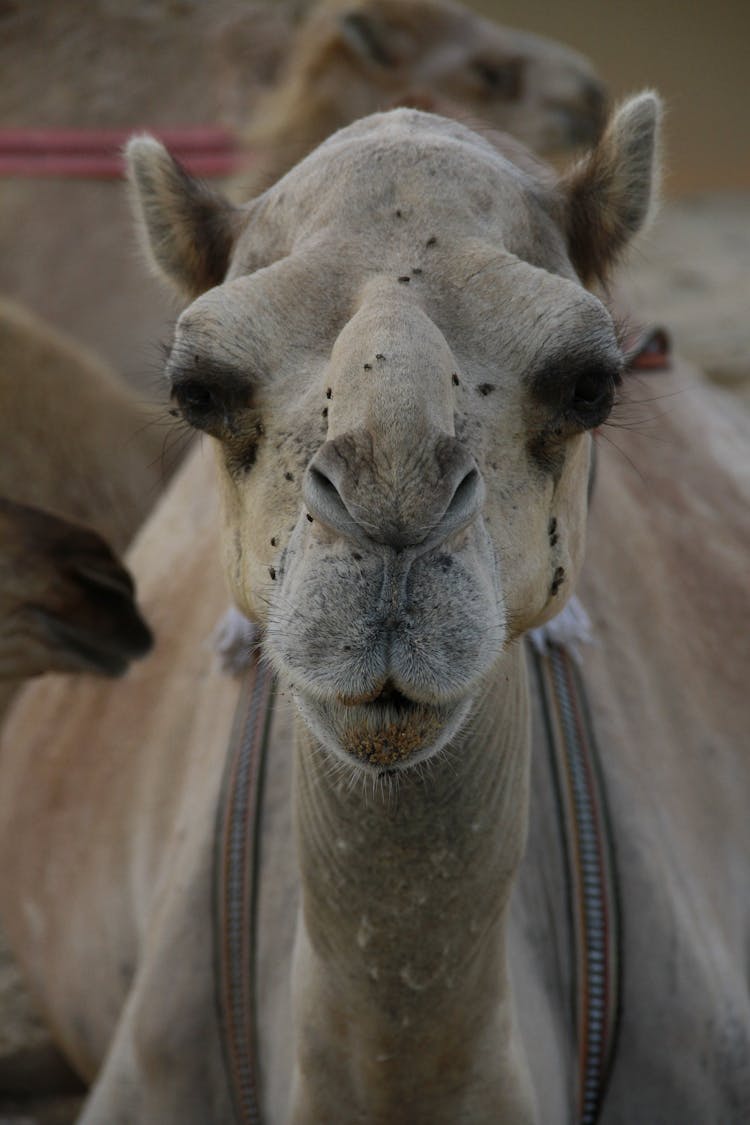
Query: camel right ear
<point x="188" y="231"/>
<point x="610" y="193"/>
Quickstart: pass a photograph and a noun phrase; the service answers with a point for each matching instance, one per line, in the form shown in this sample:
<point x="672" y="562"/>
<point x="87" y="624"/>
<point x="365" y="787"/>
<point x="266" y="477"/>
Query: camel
<point x="66" y="603"/>
<point x="74" y="269"/>
<point x="398" y="418"/>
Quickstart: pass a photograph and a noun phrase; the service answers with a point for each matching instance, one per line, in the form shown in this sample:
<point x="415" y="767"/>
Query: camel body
<point x="171" y="719"/>
<point x="403" y="976"/>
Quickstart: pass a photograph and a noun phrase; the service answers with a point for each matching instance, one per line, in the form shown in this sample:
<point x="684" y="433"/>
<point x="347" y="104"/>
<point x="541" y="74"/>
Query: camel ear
<point x="188" y="231"/>
<point x="610" y="192"/>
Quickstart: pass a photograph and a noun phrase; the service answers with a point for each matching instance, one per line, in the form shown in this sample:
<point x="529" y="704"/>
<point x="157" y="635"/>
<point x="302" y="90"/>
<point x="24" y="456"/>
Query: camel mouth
<point x="383" y="729"/>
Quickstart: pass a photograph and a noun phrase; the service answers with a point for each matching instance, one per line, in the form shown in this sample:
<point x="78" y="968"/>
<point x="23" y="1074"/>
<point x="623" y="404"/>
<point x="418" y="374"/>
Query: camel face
<point x="401" y="370"/>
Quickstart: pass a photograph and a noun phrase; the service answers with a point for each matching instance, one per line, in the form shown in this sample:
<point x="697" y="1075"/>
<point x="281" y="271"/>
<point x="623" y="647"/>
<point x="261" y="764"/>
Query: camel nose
<point x="360" y="501"/>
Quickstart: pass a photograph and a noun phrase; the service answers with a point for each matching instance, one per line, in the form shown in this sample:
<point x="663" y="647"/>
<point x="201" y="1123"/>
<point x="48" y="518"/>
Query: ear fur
<point x="187" y="230"/>
<point x="609" y="194"/>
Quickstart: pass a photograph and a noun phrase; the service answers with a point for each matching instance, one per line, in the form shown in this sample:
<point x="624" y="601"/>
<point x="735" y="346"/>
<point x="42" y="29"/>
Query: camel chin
<point x="383" y="735"/>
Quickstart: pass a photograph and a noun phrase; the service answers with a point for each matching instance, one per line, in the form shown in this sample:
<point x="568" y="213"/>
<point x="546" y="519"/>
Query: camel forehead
<point x="411" y="166"/>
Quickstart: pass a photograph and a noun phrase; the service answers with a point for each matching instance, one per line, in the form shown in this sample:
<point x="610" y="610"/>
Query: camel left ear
<point x="609" y="194"/>
<point x="187" y="230"/>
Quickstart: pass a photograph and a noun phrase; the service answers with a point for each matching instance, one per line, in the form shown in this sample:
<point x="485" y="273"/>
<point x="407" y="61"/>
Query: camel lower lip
<point x="390" y="734"/>
<point x="384" y="734"/>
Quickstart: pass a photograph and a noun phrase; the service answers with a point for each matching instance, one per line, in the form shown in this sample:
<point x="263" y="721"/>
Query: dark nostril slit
<point x="322" y="482"/>
<point x="464" y="494"/>
<point x="325" y="501"/>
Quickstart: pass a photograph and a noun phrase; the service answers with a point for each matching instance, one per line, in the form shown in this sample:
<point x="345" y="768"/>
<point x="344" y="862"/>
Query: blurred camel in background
<point x="78" y="444"/>
<point x="349" y="58"/>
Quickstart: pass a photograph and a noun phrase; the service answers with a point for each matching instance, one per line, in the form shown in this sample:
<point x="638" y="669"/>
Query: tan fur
<point x="161" y="187"/>
<point x="422" y="990"/>
<point x="77" y="442"/>
<point x="77" y="445"/>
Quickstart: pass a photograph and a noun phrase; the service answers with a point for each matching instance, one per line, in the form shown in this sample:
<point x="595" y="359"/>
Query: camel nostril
<point x="322" y="484"/>
<point x="344" y="492"/>
<point x="464" y="503"/>
<point x="325" y="503"/>
<point x="465" y="491"/>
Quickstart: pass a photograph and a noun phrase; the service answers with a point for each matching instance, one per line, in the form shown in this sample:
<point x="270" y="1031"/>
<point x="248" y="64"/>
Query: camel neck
<point x="401" y="986"/>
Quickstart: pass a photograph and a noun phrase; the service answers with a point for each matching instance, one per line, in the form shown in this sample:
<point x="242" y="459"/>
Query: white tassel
<point x="235" y="639"/>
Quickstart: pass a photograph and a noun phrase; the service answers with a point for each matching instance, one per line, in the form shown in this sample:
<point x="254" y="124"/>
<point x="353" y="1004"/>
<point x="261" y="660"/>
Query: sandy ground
<point x="692" y="274"/>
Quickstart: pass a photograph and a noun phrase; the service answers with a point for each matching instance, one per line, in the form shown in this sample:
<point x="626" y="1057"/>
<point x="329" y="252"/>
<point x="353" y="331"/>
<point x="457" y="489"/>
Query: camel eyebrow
<point x="186" y="364"/>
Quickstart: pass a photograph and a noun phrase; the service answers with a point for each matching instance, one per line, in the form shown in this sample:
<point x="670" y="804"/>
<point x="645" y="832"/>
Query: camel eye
<point x="198" y="403"/>
<point x="220" y="404"/>
<point x="195" y="397"/>
<point x="593" y="398"/>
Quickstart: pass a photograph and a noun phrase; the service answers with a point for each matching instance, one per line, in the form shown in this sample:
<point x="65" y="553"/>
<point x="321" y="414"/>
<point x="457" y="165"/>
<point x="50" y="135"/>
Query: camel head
<point x="349" y="58"/>
<point x="66" y="603"/>
<point x="396" y="354"/>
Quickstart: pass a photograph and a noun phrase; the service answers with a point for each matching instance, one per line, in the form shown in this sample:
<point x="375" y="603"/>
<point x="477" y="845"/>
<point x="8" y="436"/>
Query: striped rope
<point x="96" y="154"/>
<point x="591" y="872"/>
<point x="237" y="866"/>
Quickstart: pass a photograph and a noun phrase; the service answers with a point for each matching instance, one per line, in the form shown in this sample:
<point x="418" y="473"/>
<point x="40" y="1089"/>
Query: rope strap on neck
<point x="590" y="872"/>
<point x="237" y="869"/>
